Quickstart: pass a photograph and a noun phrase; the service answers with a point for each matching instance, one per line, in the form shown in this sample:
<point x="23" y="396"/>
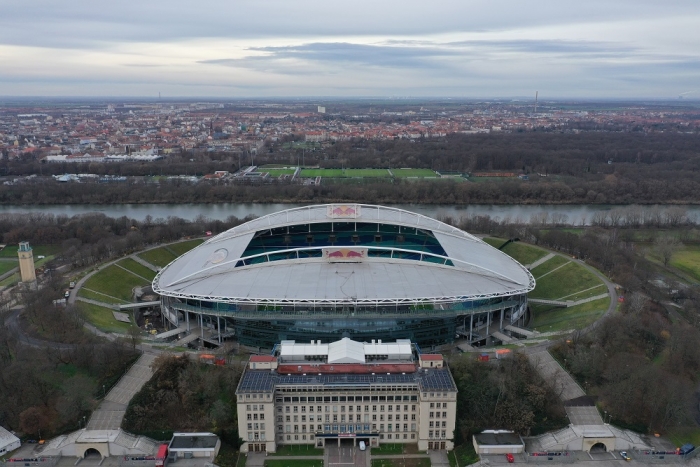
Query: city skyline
<point x="628" y="49"/>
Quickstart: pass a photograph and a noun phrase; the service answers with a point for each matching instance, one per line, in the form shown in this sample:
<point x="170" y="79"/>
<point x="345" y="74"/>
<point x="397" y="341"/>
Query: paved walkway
<point x="110" y="413"/>
<point x="543" y="259"/>
<point x="550" y="370"/>
<point x="98" y="303"/>
<point x="439" y="459"/>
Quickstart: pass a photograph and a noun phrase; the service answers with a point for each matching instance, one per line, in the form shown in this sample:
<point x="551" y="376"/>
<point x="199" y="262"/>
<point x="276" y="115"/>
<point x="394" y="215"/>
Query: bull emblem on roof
<point x="349" y="211"/>
<point x="345" y="254"/>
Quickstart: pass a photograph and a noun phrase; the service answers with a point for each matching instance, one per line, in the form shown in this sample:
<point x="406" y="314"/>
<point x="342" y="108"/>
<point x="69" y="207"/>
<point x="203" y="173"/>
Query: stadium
<point x="332" y="271"/>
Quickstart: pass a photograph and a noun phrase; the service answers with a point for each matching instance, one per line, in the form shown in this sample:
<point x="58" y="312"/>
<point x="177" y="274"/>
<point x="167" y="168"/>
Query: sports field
<point x="414" y="173"/>
<point x="313" y="173"/>
<point x="345" y="173"/>
<point x="277" y="172"/>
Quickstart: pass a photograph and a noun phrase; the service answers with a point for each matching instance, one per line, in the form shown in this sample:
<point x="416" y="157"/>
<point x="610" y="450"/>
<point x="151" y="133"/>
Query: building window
<point x="413" y="436"/>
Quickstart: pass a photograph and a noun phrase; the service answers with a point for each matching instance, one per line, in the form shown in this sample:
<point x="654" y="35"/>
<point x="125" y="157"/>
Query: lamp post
<point x="84" y="424"/>
<point x="104" y="392"/>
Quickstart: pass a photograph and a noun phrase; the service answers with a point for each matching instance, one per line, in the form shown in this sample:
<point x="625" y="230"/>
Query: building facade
<point x="346" y="391"/>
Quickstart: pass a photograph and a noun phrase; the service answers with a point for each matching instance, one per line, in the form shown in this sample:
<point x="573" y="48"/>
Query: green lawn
<point x="366" y="173"/>
<point x="6" y="266"/>
<point x="115" y="282"/>
<point x="418" y="173"/>
<point x="313" y="173"/>
<point x="683" y="435"/>
<point x="548" y="318"/>
<point x="388" y="448"/>
<point x="10" y="251"/>
<point x="688" y="261"/>
<point x="137" y="268"/>
<point x="549" y="265"/>
<point x="265" y="167"/>
<point x="102" y="318"/>
<point x="520" y="252"/>
<point x="293" y="463"/>
<point x="83" y="292"/>
<point x="347" y="173"/>
<point x="465" y="454"/>
<point x="183" y="247"/>
<point x="158" y="256"/>
<point x="277" y="172"/>
<point x="296" y="450"/>
<point x="570" y="282"/>
<point x="411" y="462"/>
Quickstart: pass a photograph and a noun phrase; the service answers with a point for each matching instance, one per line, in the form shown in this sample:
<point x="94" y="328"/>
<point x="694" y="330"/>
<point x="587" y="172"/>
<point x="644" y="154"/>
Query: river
<point x="578" y="214"/>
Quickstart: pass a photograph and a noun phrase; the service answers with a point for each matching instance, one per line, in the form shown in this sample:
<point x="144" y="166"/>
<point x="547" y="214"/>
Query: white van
<point x="363" y="446"/>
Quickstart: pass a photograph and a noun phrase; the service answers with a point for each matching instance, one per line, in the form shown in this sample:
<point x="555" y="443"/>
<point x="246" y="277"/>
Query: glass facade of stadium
<point x="426" y="323"/>
<point x="383" y="234"/>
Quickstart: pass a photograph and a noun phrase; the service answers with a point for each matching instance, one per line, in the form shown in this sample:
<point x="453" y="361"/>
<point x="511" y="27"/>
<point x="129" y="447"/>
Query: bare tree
<point x="665" y="246"/>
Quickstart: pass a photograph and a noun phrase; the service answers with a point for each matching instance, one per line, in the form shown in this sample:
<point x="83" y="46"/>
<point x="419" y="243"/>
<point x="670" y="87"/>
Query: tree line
<point x="47" y="389"/>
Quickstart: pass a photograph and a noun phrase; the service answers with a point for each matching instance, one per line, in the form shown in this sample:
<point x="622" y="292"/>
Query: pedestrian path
<point x="110" y="413"/>
<point x="551" y="370"/>
<point x="543" y="259"/>
<point x="145" y="263"/>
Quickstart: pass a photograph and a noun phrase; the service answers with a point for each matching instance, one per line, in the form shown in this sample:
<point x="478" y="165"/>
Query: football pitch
<point x="416" y="173"/>
<point x="344" y="173"/>
<point x="278" y="172"/>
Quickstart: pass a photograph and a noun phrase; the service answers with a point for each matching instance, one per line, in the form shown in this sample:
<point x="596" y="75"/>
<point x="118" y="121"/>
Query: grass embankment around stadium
<point x="559" y="278"/>
<point x="114" y="284"/>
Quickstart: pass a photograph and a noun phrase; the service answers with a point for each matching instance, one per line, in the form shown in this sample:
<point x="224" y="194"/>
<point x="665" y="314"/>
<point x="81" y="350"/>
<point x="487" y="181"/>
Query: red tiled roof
<point x="431" y="356"/>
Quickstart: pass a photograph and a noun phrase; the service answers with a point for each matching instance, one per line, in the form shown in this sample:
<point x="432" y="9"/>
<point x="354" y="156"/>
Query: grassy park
<point x="114" y="282"/>
<point x="102" y="318"/>
<point x="159" y="256"/>
<point x="559" y="278"/>
<point x="688" y="260"/>
<point x="521" y="252"/>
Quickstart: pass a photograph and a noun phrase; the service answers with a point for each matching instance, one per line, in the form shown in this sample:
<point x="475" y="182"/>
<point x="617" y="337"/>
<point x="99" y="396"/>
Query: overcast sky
<point x="270" y="48"/>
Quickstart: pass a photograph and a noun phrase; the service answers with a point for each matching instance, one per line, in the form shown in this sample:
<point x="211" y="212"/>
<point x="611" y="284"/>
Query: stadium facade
<point x="332" y="271"/>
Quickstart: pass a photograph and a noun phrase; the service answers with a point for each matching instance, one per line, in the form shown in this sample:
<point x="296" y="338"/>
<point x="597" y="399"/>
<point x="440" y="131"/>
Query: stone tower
<point x="26" y="262"/>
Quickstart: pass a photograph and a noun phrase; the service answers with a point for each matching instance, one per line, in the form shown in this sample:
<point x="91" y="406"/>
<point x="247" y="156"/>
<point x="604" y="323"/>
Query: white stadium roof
<point x="474" y="269"/>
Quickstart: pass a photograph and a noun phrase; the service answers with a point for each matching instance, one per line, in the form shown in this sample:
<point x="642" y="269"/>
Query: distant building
<point x="26" y="262"/>
<point x="346" y="392"/>
<point x="321" y="109"/>
<point x="8" y="442"/>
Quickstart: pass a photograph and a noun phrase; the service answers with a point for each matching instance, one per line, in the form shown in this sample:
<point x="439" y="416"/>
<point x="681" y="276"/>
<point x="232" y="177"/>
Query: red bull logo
<point x="351" y="211"/>
<point x="345" y="254"/>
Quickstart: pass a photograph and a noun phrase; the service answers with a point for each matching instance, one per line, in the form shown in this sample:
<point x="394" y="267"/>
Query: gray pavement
<point x="438" y="459"/>
<point x="550" y="370"/>
<point x="110" y="413"/>
<point x="584" y="415"/>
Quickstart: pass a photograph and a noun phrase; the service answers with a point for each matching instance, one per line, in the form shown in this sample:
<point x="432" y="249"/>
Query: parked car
<point x="71" y="285"/>
<point x="625" y="456"/>
<point x="67" y="294"/>
<point x="510" y="458"/>
<point x="363" y="446"/>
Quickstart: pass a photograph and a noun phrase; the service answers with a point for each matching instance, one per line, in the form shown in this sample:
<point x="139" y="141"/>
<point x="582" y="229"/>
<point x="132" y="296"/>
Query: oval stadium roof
<point x="343" y="253"/>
